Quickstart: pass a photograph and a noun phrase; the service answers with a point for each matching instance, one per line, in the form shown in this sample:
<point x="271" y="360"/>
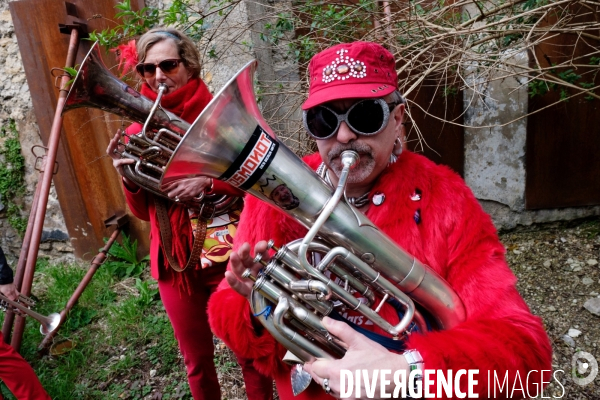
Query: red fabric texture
<point x="454" y="237"/>
<point x="186" y="102"/>
<point x="18" y="375"/>
<point x="351" y="71"/>
<point x="192" y="329"/>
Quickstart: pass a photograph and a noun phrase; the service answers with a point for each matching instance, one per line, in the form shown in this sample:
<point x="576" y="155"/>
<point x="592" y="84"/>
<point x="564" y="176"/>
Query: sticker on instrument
<point x="253" y="160"/>
<point x="276" y="190"/>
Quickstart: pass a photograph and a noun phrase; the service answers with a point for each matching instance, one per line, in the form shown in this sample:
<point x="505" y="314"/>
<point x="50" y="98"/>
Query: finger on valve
<point x="113" y="146"/>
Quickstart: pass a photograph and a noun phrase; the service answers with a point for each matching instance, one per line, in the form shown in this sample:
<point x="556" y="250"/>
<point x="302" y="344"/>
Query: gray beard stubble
<point x="364" y="167"/>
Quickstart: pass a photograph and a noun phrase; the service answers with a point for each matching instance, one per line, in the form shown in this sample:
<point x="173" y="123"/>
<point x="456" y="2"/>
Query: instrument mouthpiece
<point x="350" y="158"/>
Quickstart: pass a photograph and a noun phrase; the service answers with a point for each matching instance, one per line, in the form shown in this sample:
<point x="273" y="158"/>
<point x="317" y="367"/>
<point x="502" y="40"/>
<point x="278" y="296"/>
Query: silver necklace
<point x="357" y="202"/>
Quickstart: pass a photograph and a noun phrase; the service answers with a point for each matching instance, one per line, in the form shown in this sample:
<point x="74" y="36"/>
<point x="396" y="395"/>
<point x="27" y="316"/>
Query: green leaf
<point x="71" y="71"/>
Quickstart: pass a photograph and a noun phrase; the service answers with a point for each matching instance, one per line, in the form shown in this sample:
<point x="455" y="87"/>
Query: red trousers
<point x="189" y="319"/>
<point x="18" y="375"/>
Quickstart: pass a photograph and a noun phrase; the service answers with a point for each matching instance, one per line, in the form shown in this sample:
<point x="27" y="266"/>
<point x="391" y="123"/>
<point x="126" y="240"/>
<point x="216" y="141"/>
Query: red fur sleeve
<point x="500" y="334"/>
<point x="231" y="320"/>
<point x="137" y="202"/>
<point x="229" y="313"/>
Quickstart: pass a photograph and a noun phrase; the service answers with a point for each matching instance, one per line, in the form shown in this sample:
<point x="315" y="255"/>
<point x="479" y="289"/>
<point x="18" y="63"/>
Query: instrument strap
<point x="164" y="224"/>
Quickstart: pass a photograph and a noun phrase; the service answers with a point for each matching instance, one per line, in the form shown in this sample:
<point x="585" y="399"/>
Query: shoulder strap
<point x="166" y="235"/>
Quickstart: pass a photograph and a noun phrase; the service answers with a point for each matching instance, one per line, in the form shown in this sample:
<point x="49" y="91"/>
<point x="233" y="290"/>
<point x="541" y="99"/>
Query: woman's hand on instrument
<point x="10" y="291"/>
<point x="241" y="260"/>
<point x="114" y="150"/>
<point x="362" y="354"/>
<point x="188" y="188"/>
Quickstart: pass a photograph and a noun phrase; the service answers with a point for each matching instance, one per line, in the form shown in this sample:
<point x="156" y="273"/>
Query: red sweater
<point x="455" y="237"/>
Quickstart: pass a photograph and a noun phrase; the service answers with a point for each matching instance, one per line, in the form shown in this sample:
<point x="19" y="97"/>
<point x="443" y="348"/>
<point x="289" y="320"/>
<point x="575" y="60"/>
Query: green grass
<point x="120" y="331"/>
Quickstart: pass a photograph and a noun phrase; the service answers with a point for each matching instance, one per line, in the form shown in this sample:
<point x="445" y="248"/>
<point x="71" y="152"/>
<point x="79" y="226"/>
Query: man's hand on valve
<point x="239" y="261"/>
<point x="362" y="354"/>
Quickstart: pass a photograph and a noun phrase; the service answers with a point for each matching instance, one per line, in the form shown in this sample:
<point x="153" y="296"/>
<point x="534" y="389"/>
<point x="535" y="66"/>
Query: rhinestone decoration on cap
<point x="344" y="67"/>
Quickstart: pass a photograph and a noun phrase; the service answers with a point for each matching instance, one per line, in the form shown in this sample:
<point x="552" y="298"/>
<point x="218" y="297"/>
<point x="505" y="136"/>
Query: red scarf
<point x="186" y="102"/>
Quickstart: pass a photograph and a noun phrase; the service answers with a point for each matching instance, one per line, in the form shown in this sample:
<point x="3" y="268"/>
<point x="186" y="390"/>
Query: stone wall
<point x="15" y="104"/>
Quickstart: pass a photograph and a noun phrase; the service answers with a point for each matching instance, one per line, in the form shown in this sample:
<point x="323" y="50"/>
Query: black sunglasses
<point x="366" y="117"/>
<point x="147" y="70"/>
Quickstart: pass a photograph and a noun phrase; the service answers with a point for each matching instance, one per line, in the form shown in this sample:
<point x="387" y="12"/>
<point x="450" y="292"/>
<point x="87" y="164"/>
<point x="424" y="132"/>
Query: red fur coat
<point x="454" y="237"/>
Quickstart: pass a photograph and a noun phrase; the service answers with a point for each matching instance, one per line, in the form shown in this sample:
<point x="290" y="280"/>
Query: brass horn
<point x="231" y="141"/>
<point x="22" y="308"/>
<point x="96" y="87"/>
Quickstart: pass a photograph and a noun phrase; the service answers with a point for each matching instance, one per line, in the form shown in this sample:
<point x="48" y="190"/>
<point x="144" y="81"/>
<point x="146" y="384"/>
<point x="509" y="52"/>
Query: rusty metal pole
<point x="40" y="214"/>
<point x="95" y="264"/>
<point x="10" y="316"/>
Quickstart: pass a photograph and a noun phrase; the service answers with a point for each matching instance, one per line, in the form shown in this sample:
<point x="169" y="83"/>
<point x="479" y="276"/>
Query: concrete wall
<point x="495" y="152"/>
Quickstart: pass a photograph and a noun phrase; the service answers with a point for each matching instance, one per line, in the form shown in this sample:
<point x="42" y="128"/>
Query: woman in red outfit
<point x="15" y="372"/>
<point x="166" y="56"/>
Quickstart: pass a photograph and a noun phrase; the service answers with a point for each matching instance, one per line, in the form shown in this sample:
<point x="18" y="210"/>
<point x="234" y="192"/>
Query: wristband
<point x="415" y="361"/>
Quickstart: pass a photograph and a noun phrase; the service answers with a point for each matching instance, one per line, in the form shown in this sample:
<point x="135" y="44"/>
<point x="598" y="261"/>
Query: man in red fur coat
<point x="426" y="209"/>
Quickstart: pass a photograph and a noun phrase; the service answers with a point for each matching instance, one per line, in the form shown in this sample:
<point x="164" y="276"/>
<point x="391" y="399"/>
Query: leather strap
<point x="166" y="235"/>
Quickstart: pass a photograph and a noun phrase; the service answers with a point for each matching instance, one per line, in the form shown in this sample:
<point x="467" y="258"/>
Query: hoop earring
<point x="400" y="147"/>
<point x="395" y="153"/>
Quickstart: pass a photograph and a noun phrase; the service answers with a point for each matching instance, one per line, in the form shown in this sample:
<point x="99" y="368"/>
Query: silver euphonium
<point x="231" y="141"/>
<point x="96" y="87"/>
<point x="23" y="306"/>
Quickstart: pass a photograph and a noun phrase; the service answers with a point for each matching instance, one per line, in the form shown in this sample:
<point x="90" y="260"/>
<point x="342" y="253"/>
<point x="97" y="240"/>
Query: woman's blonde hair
<point x="187" y="50"/>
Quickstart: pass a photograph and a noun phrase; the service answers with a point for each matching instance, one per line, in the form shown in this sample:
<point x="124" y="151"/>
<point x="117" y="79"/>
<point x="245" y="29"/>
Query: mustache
<point x="339" y="148"/>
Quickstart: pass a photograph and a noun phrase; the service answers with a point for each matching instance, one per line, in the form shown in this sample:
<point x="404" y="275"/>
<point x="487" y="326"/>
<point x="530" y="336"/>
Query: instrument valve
<point x="258" y="259"/>
<point x="271" y="245"/>
<point x="248" y="274"/>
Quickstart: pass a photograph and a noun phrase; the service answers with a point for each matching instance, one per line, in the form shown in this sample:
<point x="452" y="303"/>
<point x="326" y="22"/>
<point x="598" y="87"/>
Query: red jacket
<point x="455" y="237"/>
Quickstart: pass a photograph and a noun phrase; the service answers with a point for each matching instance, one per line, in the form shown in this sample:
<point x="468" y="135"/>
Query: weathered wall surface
<point x="495" y="153"/>
<point x="15" y="104"/>
<point x="494" y="156"/>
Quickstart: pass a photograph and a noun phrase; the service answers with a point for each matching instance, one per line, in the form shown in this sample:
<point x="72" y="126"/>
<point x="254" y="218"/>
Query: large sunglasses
<point x="366" y="117"/>
<point x="147" y="70"/>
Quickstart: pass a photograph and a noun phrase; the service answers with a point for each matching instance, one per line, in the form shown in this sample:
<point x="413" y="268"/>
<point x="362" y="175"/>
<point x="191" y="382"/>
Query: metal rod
<point x="95" y="264"/>
<point x="49" y="323"/>
<point x="40" y="214"/>
<point x="9" y="318"/>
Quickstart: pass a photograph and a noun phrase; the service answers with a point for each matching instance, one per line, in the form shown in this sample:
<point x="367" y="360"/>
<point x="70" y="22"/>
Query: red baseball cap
<point x="351" y="70"/>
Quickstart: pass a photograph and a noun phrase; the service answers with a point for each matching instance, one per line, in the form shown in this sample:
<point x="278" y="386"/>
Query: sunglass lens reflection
<point x="321" y="122"/>
<point x="366" y="117"/>
<point x="168" y="65"/>
<point x="148" y="70"/>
